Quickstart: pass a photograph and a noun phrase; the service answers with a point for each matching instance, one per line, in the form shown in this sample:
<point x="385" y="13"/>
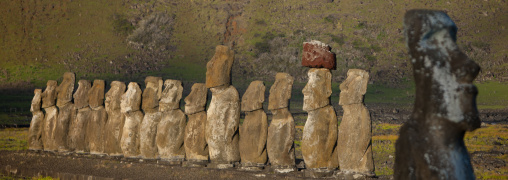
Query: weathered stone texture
<point x="66" y="115"/>
<point x="77" y="140"/>
<point x="131" y="99"/>
<point x="218" y="69"/>
<point x="195" y="144"/>
<point x="280" y="140"/>
<point x="354" y="87"/>
<point x="280" y="92"/>
<point x="171" y="95"/>
<point x="81" y="94"/>
<point x="49" y="94"/>
<point x="64" y="90"/>
<point x="147" y="135"/>
<point x="95" y="130"/>
<point x="48" y="128"/>
<point x="254" y="96"/>
<point x="130" y="107"/>
<point x="223" y="118"/>
<point x="253" y="133"/>
<point x="319" y="140"/>
<point x="35" y="130"/>
<point x="96" y="94"/>
<point x="116" y="119"/>
<point x="318" y="90"/>
<point x="317" y="55"/>
<point x="36" y="101"/>
<point x="152" y="93"/>
<point x="170" y="135"/>
<point x="431" y="145"/>
<point x="196" y="100"/>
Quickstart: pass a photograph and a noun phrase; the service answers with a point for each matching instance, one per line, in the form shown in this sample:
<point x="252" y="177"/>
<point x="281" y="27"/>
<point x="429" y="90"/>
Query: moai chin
<point x="170" y="130"/>
<point x="50" y="118"/>
<point x="130" y="107"/>
<point x="355" y="131"/>
<point x="281" y="132"/>
<point x="254" y="129"/>
<point x="150" y="105"/>
<point x="430" y="145"/>
<point x="66" y="111"/>
<point x="116" y="119"/>
<point x="78" y="128"/>
<point x="35" y="130"/>
<point x="196" y="148"/>
<point x="95" y="129"/>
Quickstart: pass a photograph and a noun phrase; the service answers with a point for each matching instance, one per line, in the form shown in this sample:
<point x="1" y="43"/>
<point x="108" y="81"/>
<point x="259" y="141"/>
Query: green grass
<point x="13" y="139"/>
<point x="492" y="95"/>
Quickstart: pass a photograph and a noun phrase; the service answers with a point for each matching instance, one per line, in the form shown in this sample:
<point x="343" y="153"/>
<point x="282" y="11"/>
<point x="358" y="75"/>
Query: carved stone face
<point x="318" y="90"/>
<point x="354" y="87"/>
<point x="196" y="100"/>
<point x="171" y="95"/>
<point x="49" y="94"/>
<point x="218" y="69"/>
<point x="280" y="92"/>
<point x="65" y="89"/>
<point x="113" y="96"/>
<point x="131" y="99"/>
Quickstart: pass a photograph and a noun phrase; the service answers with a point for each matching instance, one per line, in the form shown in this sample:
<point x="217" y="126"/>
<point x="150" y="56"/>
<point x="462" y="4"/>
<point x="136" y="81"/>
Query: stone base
<point x="172" y="161"/>
<point x="195" y="163"/>
<point x="319" y="172"/>
<point x="221" y="165"/>
<point x="283" y="169"/>
<point x="353" y="175"/>
<point x="252" y="166"/>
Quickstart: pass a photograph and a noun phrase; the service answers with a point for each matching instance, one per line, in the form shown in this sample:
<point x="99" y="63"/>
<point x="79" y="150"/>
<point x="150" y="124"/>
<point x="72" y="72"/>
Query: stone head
<point x="114" y="96"/>
<point x="81" y="94"/>
<point x="152" y="92"/>
<point x="317" y="92"/>
<point x="96" y="94"/>
<point x="254" y="96"/>
<point x="131" y="99"/>
<point x="64" y="90"/>
<point x="280" y="92"/>
<point x="196" y="100"/>
<point x="49" y="94"/>
<point x="36" y="101"/>
<point x="171" y="95"/>
<point x="218" y="69"/>
<point x="354" y="87"/>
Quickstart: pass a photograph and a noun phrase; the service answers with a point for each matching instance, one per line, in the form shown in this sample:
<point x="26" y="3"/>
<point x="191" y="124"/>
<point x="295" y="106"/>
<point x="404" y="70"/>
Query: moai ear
<point x="328" y="82"/>
<point x="261" y="93"/>
<point x="159" y="92"/>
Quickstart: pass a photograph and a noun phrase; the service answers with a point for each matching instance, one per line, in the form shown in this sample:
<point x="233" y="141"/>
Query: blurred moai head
<point x="36" y="101"/>
<point x="152" y="93"/>
<point x="64" y="90"/>
<point x="218" y="69"/>
<point x="196" y="100"/>
<point x="81" y="94"/>
<point x="114" y="96"/>
<point x="171" y="95"/>
<point x="49" y="94"/>
<point x="442" y="73"/>
<point x="254" y="96"/>
<point x="354" y="87"/>
<point x="96" y="94"/>
<point x="131" y="99"/>
<point x="280" y="92"/>
<point x="317" y="92"/>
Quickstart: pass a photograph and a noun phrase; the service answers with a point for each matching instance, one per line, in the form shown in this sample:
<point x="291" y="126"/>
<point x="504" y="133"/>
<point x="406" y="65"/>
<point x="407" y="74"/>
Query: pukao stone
<point x="317" y="55"/>
<point x="218" y="69"/>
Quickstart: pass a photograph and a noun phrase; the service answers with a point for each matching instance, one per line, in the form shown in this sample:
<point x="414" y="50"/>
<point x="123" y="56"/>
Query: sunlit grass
<point x="14" y="139"/>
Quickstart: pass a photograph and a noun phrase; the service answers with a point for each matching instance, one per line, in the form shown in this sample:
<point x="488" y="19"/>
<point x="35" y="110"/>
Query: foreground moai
<point x="114" y="125"/>
<point x="50" y="118"/>
<point x="78" y="127"/>
<point x="223" y="115"/>
<point x="152" y="117"/>
<point x="281" y="132"/>
<point x="355" y="131"/>
<point x="196" y="148"/>
<point x="66" y="111"/>
<point x="431" y="145"/>
<point x="171" y="128"/>
<point x="319" y="139"/>
<point x="130" y="107"/>
<point x="35" y="131"/>
<point x="254" y="130"/>
<point x="99" y="116"/>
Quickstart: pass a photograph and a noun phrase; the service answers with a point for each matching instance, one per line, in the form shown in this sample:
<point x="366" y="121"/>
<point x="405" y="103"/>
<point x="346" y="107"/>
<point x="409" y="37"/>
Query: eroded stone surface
<point x="95" y="130"/>
<point x="130" y="135"/>
<point x="36" y="101"/>
<point x="318" y="90"/>
<point x="253" y="133"/>
<point x="430" y="145"/>
<point x="171" y="95"/>
<point x="96" y="94"/>
<point x="319" y="140"/>
<point x="147" y="135"/>
<point x="355" y="140"/>
<point x="77" y="140"/>
<point x="64" y="90"/>
<point x="131" y="99"/>
<point x="116" y="119"/>
<point x="170" y="135"/>
<point x="317" y="55"/>
<point x="195" y="144"/>
<point x="49" y="94"/>
<point x="152" y="93"/>
<point x="223" y="118"/>
<point x="81" y="94"/>
<point x="280" y="141"/>
<point x="48" y="127"/>
<point x="218" y="69"/>
<point x="66" y="115"/>
<point x="35" y="130"/>
<point x="280" y="92"/>
<point x="196" y="100"/>
<point x="254" y="96"/>
<point x="354" y="87"/>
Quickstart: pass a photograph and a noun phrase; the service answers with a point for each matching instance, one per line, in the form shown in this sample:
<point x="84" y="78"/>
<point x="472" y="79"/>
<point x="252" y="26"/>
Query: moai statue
<point x="355" y="131"/>
<point x="281" y="133"/>
<point x="77" y="140"/>
<point x="116" y="119"/>
<point x="319" y="140"/>
<point x="148" y="129"/>
<point x="431" y="145"/>
<point x="130" y="107"/>
<point x="196" y="148"/>
<point x="254" y="130"/>
<point x="50" y="118"/>
<point x="35" y="130"/>
<point x="170" y="131"/>
<point x="223" y="115"/>
<point x="66" y="111"/>
<point x="95" y="130"/>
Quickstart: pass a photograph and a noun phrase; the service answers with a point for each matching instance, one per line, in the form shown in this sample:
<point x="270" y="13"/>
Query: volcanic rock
<point x="131" y="99"/>
<point x="171" y="95"/>
<point x="48" y="128"/>
<point x="81" y="94"/>
<point x="130" y="105"/>
<point x="35" y="130"/>
<point x="196" y="148"/>
<point x="280" y="92"/>
<point x="170" y="135"/>
<point x="116" y="119"/>
<point x="152" y="93"/>
<point x="317" y="55"/>
<point x="253" y="133"/>
<point x="64" y="90"/>
<point x="148" y="133"/>
<point x="218" y="69"/>
<point x="77" y="140"/>
<point x="49" y="94"/>
<point x="318" y="90"/>
<point x="66" y="115"/>
<point x="280" y="141"/>
<point x="196" y="100"/>
<point x="96" y="94"/>
<point x="354" y="87"/>
<point x="254" y="96"/>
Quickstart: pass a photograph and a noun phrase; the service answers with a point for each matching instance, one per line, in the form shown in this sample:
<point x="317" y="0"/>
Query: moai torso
<point x="50" y="118"/>
<point x="66" y="111"/>
<point x="152" y="117"/>
<point x="130" y="107"/>
<point x="35" y="131"/>
<point x="116" y="119"/>
<point x="96" y="124"/>
<point x="196" y="148"/>
<point x="78" y="128"/>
